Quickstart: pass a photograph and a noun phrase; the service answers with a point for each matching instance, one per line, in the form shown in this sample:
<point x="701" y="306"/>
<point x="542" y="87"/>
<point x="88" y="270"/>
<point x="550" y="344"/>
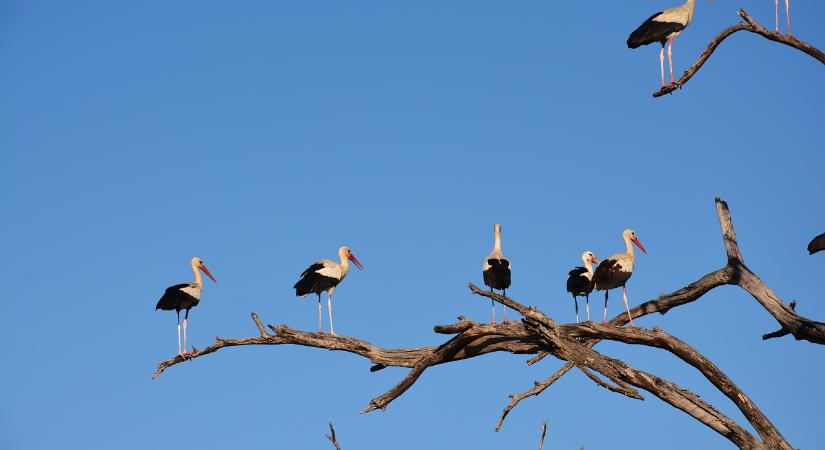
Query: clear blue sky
<point x="263" y="135"/>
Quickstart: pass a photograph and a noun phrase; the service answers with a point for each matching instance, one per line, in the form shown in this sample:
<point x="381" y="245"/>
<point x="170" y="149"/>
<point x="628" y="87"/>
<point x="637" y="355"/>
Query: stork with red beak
<point x="325" y="275"/>
<point x="580" y="281"/>
<point x="185" y="296"/>
<point x="614" y="271"/>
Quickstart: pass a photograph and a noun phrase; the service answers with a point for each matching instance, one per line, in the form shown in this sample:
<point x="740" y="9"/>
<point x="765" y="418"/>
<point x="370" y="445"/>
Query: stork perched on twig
<point x="325" y="275"/>
<point x="185" y="296"/>
<point x="496" y="271"/>
<point x="580" y="281"/>
<point x="663" y="27"/>
<point x="614" y="271"/>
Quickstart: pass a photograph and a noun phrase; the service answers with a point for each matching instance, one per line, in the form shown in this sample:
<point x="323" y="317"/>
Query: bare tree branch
<point x="800" y="327"/>
<point x="562" y="344"/>
<point x="538" y="388"/>
<point x="734" y="273"/>
<point x="538" y="334"/>
<point x="332" y="438"/>
<point x="749" y="25"/>
<point x="660" y="339"/>
<point x="543" y="432"/>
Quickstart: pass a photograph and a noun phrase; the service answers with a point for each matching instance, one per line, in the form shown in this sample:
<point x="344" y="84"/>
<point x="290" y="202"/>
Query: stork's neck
<point x="588" y="265"/>
<point x="628" y="243"/>
<point x="344" y="263"/>
<point x="497" y="241"/>
<point x="198" y="281"/>
<point x="690" y="4"/>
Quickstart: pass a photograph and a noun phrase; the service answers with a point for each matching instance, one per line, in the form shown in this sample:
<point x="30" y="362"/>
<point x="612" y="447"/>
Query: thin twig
<point x="332" y="437"/>
<point x="543" y="432"/>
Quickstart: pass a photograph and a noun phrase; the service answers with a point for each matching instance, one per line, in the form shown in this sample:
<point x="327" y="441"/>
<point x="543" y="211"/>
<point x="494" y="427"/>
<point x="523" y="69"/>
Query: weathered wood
<point x="751" y="26"/>
<point x="540" y="335"/>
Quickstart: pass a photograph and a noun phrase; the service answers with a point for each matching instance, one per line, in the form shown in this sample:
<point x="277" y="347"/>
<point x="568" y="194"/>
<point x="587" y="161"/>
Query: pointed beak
<point x="594" y="260"/>
<point x="206" y="271"/>
<point x="639" y="244"/>
<point x="355" y="260"/>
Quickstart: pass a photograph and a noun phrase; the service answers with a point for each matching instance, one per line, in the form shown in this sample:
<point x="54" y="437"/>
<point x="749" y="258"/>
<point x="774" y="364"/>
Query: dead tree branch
<point x="543" y="432"/>
<point x="749" y="25"/>
<point x="332" y="438"/>
<point x="538" y="334"/>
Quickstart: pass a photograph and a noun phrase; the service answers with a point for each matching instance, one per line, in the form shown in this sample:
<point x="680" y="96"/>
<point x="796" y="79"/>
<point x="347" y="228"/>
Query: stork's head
<point x="497" y="228"/>
<point x="345" y="252"/>
<point x="631" y="235"/>
<point x="198" y="264"/>
<point x="589" y="257"/>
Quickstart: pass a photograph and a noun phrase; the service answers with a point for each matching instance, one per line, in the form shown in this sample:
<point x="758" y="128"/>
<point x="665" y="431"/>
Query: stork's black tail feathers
<point x="651" y="31"/>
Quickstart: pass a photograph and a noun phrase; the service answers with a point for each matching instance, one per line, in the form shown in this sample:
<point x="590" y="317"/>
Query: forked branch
<point x="749" y="25"/>
<point x="538" y="334"/>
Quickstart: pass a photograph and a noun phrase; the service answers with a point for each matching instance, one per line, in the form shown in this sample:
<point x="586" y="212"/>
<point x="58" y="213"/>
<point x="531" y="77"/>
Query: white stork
<point x="325" y="275"/>
<point x="185" y="296"/>
<point x="496" y="271"/>
<point x="580" y="281"/>
<point x="663" y="27"/>
<point x="614" y="272"/>
<point x="787" y="14"/>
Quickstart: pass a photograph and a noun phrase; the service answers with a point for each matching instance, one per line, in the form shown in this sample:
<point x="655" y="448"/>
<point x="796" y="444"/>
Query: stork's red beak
<point x="594" y="260"/>
<point x="639" y="244"/>
<point x="352" y="258"/>
<point x="206" y="271"/>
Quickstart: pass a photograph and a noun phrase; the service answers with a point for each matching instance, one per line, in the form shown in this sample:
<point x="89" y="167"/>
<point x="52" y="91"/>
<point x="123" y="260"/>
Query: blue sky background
<point x="263" y="135"/>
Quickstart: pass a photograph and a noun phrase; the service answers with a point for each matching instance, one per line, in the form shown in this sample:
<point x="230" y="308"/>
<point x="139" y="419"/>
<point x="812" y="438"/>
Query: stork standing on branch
<point x="663" y="27"/>
<point x="580" y="281"/>
<point x="614" y="272"/>
<point x="185" y="296"/>
<point x="496" y="271"/>
<point x="325" y="275"/>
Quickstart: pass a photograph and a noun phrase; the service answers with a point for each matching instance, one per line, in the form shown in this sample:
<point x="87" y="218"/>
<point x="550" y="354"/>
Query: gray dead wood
<point x="538" y="334"/>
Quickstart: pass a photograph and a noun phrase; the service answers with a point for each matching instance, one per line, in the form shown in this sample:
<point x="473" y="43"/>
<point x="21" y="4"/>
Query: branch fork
<point x="539" y="335"/>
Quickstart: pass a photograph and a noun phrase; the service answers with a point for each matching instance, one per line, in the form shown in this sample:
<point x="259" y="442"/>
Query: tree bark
<point x="538" y="334"/>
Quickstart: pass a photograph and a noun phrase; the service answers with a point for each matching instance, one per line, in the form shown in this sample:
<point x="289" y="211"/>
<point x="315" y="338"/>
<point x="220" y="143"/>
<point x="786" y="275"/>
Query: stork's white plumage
<point x="496" y="271"/>
<point x="663" y="27"/>
<point x="325" y="275"/>
<point x="185" y="296"/>
<point x="787" y="14"/>
<point x="614" y="271"/>
<point x="580" y="281"/>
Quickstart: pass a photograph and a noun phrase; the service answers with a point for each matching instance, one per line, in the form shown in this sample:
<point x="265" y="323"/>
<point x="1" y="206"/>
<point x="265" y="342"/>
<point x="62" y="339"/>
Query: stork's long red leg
<point x="776" y="7"/>
<point x="627" y="308"/>
<point x="320" y="323"/>
<point x="788" y="15"/>
<point x="662" y="63"/>
<point x="185" y="323"/>
<point x="587" y="297"/>
<point x="329" y="309"/>
<point x="179" y="352"/>
<point x="670" y="60"/>
<point x="493" y="307"/>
